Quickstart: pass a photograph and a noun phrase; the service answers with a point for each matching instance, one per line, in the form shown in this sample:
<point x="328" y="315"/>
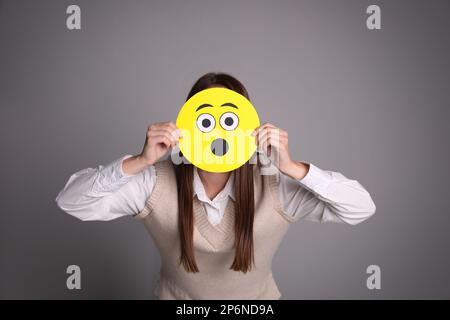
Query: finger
<point x="264" y="145"/>
<point x="269" y="132"/>
<point x="269" y="140"/>
<point x="268" y="125"/>
<point x="262" y="136"/>
<point x="257" y="135"/>
<point x="264" y="141"/>
<point x="172" y="135"/>
<point x="162" y="126"/>
<point x="283" y="133"/>
<point x="162" y="129"/>
<point x="153" y="127"/>
<point x="165" y="133"/>
<point x="170" y="126"/>
<point x="163" y="140"/>
<point x="268" y="145"/>
<point x="264" y="126"/>
<point x="174" y="129"/>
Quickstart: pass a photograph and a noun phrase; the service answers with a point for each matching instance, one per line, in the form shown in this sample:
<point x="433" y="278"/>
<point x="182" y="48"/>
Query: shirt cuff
<point x="112" y="176"/>
<point x="120" y="167"/>
<point x="316" y="179"/>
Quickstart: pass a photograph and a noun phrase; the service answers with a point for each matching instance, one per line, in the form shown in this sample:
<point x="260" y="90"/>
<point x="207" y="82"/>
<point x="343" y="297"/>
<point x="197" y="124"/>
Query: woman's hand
<point x="268" y="136"/>
<point x="159" y="139"/>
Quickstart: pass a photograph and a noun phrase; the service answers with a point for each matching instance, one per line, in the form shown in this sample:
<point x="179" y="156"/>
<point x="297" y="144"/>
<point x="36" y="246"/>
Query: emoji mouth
<point x="219" y="147"/>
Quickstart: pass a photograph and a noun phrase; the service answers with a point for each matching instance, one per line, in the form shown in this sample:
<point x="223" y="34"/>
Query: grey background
<point x="373" y="105"/>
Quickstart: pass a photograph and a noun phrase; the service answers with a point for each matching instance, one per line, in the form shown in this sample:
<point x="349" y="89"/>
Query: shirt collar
<point x="227" y="191"/>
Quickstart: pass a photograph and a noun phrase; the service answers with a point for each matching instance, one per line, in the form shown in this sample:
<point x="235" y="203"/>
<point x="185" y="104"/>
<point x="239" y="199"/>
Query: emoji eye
<point x="229" y="121"/>
<point x="206" y="122"/>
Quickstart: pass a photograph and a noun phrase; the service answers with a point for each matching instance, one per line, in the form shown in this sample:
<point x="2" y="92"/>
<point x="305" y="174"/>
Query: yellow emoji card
<point x="216" y="126"/>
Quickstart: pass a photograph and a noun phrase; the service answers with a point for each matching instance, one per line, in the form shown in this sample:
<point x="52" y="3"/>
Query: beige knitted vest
<point x="214" y="245"/>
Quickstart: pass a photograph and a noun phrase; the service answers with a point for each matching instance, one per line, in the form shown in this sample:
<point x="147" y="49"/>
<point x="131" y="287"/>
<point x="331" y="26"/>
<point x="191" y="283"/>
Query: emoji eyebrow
<point x="229" y="104"/>
<point x="203" y="106"/>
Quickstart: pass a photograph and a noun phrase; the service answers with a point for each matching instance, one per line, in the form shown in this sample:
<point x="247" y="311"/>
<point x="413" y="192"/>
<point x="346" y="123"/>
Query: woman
<point x="216" y="232"/>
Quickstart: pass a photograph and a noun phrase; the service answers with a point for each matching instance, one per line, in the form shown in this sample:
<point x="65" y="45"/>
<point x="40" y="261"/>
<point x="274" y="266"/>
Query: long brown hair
<point x="243" y="184"/>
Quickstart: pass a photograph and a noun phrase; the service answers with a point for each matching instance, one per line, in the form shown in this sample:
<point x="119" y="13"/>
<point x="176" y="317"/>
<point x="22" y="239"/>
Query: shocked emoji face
<point x="216" y="126"/>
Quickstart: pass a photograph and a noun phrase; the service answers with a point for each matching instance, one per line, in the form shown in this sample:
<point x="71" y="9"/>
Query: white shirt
<point x="214" y="208"/>
<point x="106" y="193"/>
